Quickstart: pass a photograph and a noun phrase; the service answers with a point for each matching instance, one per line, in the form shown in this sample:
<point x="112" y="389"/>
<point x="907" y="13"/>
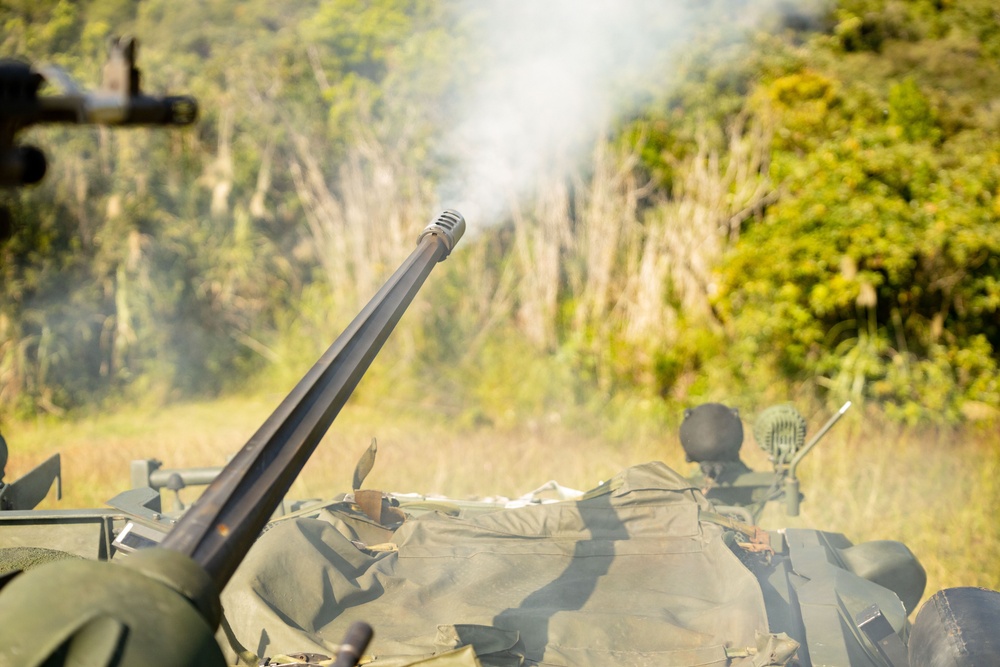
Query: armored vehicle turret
<point x="648" y="568"/>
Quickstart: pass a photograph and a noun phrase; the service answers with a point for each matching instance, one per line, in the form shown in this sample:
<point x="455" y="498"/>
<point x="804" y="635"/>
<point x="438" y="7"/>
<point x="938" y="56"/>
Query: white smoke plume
<point x="554" y="73"/>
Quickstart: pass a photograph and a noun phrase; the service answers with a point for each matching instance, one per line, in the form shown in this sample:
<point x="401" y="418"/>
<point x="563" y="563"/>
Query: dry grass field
<point x="937" y="491"/>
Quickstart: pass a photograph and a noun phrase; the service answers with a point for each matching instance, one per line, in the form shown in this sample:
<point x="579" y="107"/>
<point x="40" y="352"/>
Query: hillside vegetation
<point x="798" y="205"/>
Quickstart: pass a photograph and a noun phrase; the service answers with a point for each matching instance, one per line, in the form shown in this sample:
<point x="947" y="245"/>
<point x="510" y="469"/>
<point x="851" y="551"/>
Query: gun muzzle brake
<point x="170" y="110"/>
<point x="449" y="226"/>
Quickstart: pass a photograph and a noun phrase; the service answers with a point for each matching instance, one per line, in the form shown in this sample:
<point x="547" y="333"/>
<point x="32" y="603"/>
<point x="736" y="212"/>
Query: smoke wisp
<point x="551" y="76"/>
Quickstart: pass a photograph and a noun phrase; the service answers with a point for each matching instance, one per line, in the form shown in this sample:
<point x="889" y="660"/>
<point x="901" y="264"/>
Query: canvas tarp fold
<point x="626" y="576"/>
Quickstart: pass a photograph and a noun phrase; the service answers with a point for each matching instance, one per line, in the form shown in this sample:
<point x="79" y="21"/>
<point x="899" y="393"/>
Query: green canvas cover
<point x="628" y="575"/>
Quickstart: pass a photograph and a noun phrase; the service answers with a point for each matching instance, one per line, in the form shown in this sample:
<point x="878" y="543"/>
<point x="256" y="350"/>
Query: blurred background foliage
<point x="810" y="214"/>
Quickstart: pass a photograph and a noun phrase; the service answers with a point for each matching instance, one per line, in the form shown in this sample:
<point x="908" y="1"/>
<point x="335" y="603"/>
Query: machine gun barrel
<point x="119" y="102"/>
<point x="160" y="606"/>
<point x="222" y="524"/>
<point x="103" y="109"/>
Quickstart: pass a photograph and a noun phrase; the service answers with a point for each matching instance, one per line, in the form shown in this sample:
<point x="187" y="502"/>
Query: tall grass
<point x="934" y="490"/>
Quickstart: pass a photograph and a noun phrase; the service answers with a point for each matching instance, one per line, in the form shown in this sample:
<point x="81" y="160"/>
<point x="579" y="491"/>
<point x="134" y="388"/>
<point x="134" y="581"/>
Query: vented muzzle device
<point x="449" y="226"/>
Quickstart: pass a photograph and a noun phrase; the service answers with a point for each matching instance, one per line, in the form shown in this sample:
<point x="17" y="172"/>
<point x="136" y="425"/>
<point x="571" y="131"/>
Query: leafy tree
<point x="864" y="274"/>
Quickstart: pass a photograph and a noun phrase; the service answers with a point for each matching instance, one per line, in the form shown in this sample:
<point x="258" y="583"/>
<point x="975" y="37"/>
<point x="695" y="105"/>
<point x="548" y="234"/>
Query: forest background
<point x="795" y="204"/>
<point x="742" y="202"/>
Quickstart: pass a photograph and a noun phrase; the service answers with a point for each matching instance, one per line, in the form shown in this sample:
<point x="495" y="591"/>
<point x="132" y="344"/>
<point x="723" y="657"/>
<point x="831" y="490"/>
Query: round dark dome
<point x="712" y="432"/>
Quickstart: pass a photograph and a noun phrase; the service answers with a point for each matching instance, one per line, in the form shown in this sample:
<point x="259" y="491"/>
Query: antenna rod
<point x="816" y="438"/>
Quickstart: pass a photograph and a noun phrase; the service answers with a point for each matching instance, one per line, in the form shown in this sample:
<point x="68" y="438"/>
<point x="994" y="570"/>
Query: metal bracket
<point x="887" y="643"/>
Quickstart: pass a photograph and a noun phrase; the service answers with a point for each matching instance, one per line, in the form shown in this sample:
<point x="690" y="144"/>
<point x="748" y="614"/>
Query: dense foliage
<point x="876" y="270"/>
<point x="808" y="210"/>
